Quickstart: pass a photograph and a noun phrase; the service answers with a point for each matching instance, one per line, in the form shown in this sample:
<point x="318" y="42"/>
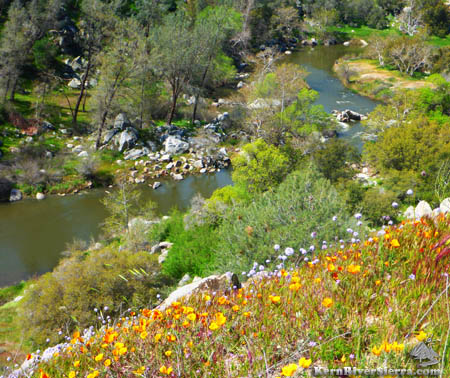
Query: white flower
<point x="409" y="192"/>
<point x="394" y="205"/>
<point x="358" y="215"/>
<point x="276" y="247"/>
<point x="289" y="251"/>
<point x="334" y="218"/>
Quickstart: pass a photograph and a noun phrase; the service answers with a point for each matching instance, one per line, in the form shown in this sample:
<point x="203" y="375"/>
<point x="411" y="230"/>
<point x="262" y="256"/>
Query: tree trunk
<point x="202" y="83"/>
<point x="100" y="130"/>
<point x="80" y="97"/>
<point x="13" y="90"/>
<point x="174" y="105"/>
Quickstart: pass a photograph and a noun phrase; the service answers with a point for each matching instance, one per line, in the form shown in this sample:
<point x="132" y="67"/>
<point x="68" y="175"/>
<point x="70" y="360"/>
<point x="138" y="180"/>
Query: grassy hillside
<point x="364" y="304"/>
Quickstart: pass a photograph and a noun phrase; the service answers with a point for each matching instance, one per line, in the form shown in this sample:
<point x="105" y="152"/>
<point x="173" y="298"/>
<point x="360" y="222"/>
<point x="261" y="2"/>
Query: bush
<point x="304" y="203"/>
<point x="259" y="166"/>
<point x="377" y="206"/>
<point x="66" y="298"/>
<point x="192" y="250"/>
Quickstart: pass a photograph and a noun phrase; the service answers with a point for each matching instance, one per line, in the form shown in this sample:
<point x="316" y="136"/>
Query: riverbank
<point x="367" y="78"/>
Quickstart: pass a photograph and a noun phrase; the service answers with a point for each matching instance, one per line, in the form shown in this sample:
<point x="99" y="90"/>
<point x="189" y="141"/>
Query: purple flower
<point x="313" y="234"/>
<point x="276" y="247"/>
<point x="358" y="215"/>
<point x="412" y="276"/>
<point x="334" y="218"/>
<point x="394" y="205"/>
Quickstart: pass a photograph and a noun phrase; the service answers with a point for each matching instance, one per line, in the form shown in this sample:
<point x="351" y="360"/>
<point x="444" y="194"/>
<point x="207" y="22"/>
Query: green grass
<point x="366" y="32"/>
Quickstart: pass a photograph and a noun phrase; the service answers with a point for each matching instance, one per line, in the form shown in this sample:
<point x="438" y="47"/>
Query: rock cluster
<point x="348" y="116"/>
<point x="423" y="209"/>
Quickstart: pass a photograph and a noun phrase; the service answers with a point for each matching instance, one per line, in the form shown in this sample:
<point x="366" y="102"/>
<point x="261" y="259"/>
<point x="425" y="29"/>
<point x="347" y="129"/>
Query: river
<point x="34" y="233"/>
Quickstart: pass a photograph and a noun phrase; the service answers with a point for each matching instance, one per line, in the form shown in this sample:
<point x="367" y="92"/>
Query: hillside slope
<point x="363" y="304"/>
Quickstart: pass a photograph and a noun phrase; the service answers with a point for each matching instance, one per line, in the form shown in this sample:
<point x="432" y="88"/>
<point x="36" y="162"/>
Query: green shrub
<point x="304" y="203"/>
<point x="192" y="250"/>
<point x="259" y="166"/>
<point x="66" y="298"/>
<point x="377" y="205"/>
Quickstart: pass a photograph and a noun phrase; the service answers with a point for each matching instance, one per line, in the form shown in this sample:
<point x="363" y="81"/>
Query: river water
<point x="34" y="233"/>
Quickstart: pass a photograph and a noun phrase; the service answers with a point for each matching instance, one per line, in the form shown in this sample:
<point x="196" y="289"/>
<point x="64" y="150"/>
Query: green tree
<point x="259" y="166"/>
<point x="97" y="21"/>
<point x="173" y="55"/>
<point x="213" y="27"/>
<point x="117" y="71"/>
<point x="123" y="205"/>
<point x="335" y="158"/>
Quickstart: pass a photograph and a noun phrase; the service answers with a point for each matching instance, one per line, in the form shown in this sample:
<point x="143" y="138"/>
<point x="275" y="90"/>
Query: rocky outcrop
<point x="348" y="116"/>
<point x="213" y="283"/>
<point x="423" y="209"/>
<point x="16" y="195"/>
<point x="175" y="146"/>
<point x="127" y="139"/>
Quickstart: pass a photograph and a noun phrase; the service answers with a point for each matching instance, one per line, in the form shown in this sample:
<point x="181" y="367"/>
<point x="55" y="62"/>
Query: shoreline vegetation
<point x="367" y="78"/>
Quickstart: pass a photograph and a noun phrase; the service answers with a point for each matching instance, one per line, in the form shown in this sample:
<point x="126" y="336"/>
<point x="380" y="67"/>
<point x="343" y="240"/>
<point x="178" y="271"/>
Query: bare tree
<point x="411" y="18"/>
<point x="411" y="54"/>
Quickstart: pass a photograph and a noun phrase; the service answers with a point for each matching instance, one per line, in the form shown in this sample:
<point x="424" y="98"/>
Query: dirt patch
<point x="368" y="79"/>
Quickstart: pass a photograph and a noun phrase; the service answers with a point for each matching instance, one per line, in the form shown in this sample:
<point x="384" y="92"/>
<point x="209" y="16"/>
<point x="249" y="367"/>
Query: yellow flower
<point x="192" y="317"/>
<point x="331" y="267"/>
<point x="274" y="298"/>
<point x="289" y="370"/>
<point x="421" y="336"/>
<point x="295" y="287"/>
<point x="317" y="280"/>
<point x="395" y="243"/>
<point x="94" y="374"/>
<point x="304" y="363"/>
<point x="327" y="302"/>
<point x="139" y="371"/>
<point x="168" y="353"/>
<point x="107" y="362"/>
<point x="171" y="338"/>
<point x="143" y="335"/>
<point x="220" y="319"/>
<point x="378" y="282"/>
<point x="72" y="374"/>
<point x="206" y="298"/>
<point x="377" y="351"/>
<point x="76" y="363"/>
<point x="235" y="308"/>
<point x="213" y="326"/>
<point x="122" y="351"/>
<point x="165" y="370"/>
<point x="354" y="269"/>
<point x="157" y="337"/>
<point x="247" y="314"/>
<point x="99" y="357"/>
<point x="397" y="347"/>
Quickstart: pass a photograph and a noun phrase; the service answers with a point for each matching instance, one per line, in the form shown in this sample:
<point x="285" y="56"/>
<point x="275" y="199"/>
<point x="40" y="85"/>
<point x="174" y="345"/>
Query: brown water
<point x="33" y="234"/>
